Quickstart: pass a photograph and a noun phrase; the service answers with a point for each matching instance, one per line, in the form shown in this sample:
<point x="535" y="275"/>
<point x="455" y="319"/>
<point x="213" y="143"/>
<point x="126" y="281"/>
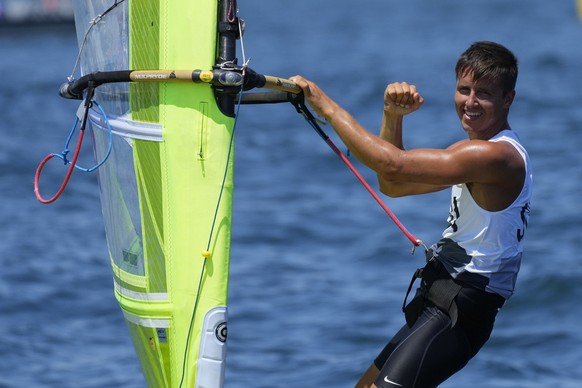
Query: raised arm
<point x="379" y="153"/>
<point x="400" y="99"/>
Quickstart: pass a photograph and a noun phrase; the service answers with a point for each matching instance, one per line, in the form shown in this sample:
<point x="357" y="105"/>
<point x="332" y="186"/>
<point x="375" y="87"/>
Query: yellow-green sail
<point x="166" y="190"/>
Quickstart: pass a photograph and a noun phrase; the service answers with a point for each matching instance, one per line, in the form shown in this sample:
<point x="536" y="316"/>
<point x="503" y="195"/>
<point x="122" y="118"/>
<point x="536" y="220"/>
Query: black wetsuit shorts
<point x="432" y="349"/>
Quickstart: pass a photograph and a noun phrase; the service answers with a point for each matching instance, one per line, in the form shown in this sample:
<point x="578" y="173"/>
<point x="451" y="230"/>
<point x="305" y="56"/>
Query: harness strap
<point x="437" y="287"/>
<point x="413" y="310"/>
<point x="443" y="292"/>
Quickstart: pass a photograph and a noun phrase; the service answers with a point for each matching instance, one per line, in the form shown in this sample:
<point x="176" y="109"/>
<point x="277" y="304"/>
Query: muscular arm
<point x="417" y="171"/>
<point x="391" y="131"/>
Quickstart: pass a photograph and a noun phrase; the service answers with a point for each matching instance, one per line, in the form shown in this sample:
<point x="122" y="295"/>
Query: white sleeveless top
<point x="484" y="248"/>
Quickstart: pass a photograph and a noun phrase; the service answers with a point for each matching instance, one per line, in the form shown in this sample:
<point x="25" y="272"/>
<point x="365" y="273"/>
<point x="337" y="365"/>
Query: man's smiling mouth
<point x="473" y="115"/>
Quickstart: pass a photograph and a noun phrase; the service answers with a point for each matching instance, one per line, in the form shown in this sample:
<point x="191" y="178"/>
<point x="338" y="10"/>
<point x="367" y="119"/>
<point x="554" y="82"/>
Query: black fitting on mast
<point x="228" y="33"/>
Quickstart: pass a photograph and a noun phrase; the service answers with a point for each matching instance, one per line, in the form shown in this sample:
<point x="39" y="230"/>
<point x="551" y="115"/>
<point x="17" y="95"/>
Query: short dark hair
<point x="491" y="61"/>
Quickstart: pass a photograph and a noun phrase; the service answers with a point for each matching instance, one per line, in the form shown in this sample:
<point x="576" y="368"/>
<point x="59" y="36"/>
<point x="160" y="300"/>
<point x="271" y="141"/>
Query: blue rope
<point x="63" y="155"/>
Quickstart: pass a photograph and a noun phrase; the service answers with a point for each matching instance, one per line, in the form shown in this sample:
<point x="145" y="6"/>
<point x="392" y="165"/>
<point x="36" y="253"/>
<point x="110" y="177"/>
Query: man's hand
<point x="317" y="99"/>
<point x="401" y="99"/>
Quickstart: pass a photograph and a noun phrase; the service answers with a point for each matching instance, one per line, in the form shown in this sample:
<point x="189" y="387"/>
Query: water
<point x="318" y="271"/>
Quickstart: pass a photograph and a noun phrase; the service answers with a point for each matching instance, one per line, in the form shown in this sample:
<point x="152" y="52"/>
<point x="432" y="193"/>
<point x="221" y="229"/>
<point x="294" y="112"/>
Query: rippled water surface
<point x="318" y="272"/>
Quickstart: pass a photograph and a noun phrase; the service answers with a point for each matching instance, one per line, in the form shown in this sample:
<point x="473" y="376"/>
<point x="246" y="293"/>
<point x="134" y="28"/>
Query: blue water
<point x="318" y="271"/>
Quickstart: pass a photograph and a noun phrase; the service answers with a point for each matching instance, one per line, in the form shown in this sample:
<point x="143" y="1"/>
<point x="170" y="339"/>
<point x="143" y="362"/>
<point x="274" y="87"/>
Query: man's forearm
<point x="391" y="129"/>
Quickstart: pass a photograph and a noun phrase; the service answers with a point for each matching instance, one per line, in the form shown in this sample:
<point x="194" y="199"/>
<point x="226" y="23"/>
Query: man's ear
<point x="509" y="99"/>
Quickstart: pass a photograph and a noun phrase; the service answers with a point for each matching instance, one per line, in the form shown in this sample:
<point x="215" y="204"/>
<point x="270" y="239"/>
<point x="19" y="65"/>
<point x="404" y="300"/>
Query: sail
<point x="166" y="189"/>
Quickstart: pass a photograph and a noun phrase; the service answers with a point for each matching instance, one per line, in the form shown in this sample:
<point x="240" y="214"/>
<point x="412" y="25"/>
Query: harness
<point x="440" y="289"/>
<point x="436" y="286"/>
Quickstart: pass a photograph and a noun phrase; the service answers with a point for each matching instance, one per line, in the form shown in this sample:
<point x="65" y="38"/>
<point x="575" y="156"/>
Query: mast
<point x="228" y="33"/>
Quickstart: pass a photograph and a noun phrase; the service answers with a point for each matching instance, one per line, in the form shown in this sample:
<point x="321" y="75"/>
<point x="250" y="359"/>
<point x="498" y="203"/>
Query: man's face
<point x="482" y="106"/>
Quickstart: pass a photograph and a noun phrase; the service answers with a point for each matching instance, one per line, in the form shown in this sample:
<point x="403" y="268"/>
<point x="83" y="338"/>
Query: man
<point x="472" y="270"/>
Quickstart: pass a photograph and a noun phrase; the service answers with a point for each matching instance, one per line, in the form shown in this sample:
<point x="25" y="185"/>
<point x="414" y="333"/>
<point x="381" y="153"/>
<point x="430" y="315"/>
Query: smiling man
<point x="472" y="270"/>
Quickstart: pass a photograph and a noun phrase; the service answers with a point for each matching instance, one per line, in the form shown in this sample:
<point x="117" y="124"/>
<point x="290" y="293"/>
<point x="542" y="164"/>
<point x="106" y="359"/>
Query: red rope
<point x="409" y="235"/>
<point x="67" y="177"/>
<point x="299" y="104"/>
